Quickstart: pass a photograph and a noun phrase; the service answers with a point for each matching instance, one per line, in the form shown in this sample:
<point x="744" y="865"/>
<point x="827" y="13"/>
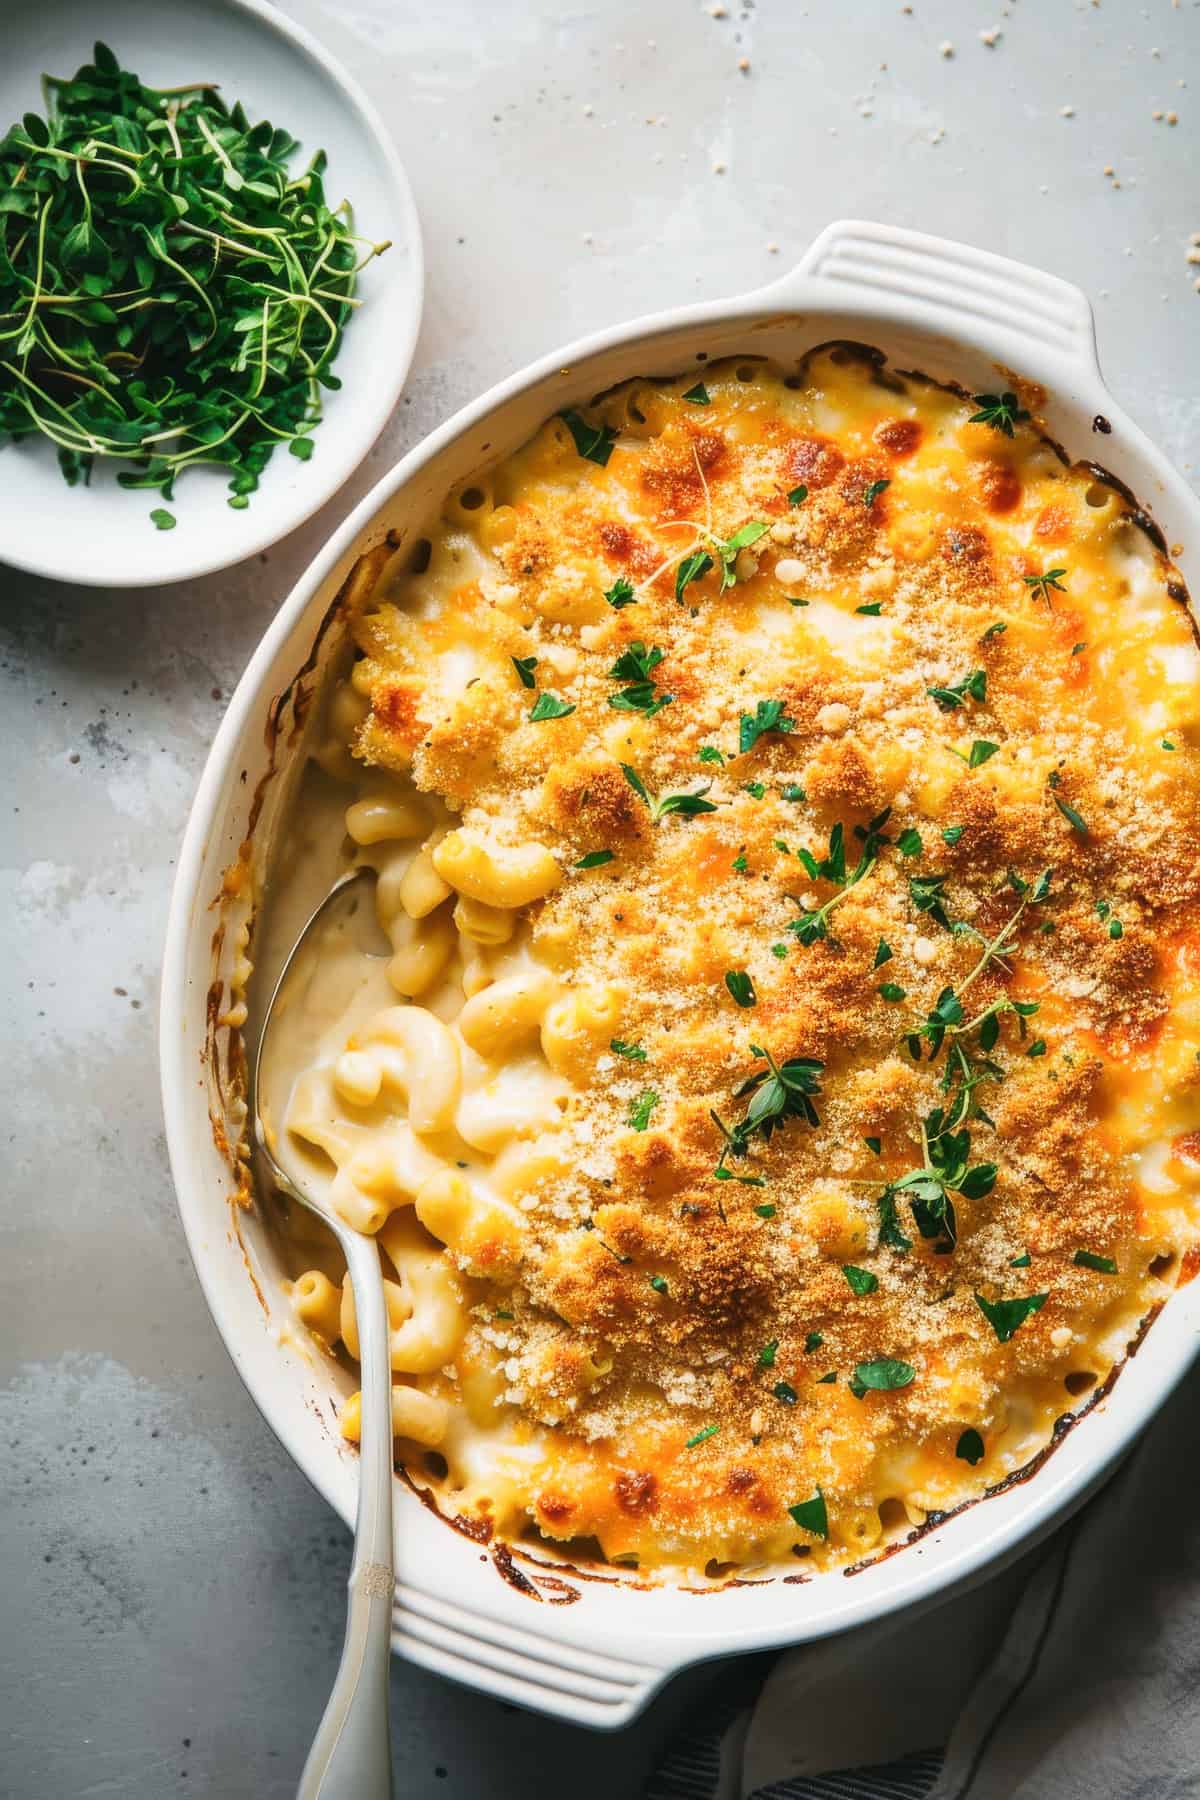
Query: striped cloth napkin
<point x="1073" y="1675"/>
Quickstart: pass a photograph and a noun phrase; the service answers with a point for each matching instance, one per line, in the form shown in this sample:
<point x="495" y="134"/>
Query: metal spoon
<point x="351" y="1755"/>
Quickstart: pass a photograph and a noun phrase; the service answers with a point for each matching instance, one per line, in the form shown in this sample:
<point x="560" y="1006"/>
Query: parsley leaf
<point x="909" y="842"/>
<point x="1005" y="1316"/>
<point x="688" y="806"/>
<point x="797" y="495"/>
<point x="698" y="395"/>
<point x="637" y="665"/>
<point x="768" y="715"/>
<point x="620" y="594"/>
<point x="881" y="1377"/>
<point x="883" y="953"/>
<point x="927" y="893"/>
<point x="871" y="611"/>
<point x="1001" y="411"/>
<point x="741" y="987"/>
<point x="640" y="1111"/>
<point x="973" y="684"/>
<point x="632" y="1052"/>
<point x="1071" y="816"/>
<point x="708" y="753"/>
<point x="951" y="834"/>
<point x="861" y="1280"/>
<point x="890" y="1232"/>
<point x="525" y="665"/>
<point x="812" y="1342"/>
<point x="766" y="1356"/>
<point x="996" y="630"/>
<point x="728" y="548"/>
<point x="595" y="442"/>
<point x="811" y="1515"/>
<point x="595" y="859"/>
<point x="891" y="990"/>
<point x="658" y="1283"/>
<point x="872" y="493"/>
<point x="792" y="790"/>
<point x="981" y="750"/>
<point x="783" y="1390"/>
<point x="702" y="1436"/>
<point x="766" y="1211"/>
<point x="549" y="706"/>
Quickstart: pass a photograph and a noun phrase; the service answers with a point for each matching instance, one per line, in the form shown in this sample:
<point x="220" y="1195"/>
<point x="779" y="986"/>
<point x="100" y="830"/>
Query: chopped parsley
<point x="756" y="789"/>
<point x="1006" y="1316"/>
<point x="881" y="1377"/>
<point x="1000" y="411"/>
<point x="766" y="1356"/>
<point x="872" y="493"/>
<point x="996" y="630"/>
<point x="631" y="1052"/>
<point x="795" y="600"/>
<point x="969" y="1448"/>
<point x="872" y="610"/>
<point x="637" y="665"/>
<point x="620" y="594"/>
<point x="549" y="706"/>
<point x="874" y="1145"/>
<point x="909" y="842"/>
<point x="980" y="752"/>
<point x="797" y="495"/>
<point x="779" y="950"/>
<point x="928" y="895"/>
<point x="766" y="1210"/>
<point x="811" y="1515"/>
<point x="1167" y="744"/>
<point x="659" y="1284"/>
<point x="812" y="1342"/>
<point x="702" y="1437"/>
<point x="973" y="685"/>
<point x="741" y="987"/>
<point x="861" y="1280"/>
<point x="883" y="953"/>
<point x="1077" y="649"/>
<point x="595" y="859"/>
<point x="768" y="715"/>
<point x="1021" y="1262"/>
<point x="708" y="753"/>
<point x="1074" y="820"/>
<point x="891" y="990"/>
<point x="1087" y="1259"/>
<point x="595" y="442"/>
<point x="783" y="1390"/>
<point x="1041" y="585"/>
<point x="951" y="834"/>
<point x="1037" y="1048"/>
<point x="525" y="665"/>
<point x="688" y="806"/>
<point x="698" y="395"/>
<point x="740" y="864"/>
<point x="824" y="1380"/>
<point x="791" y="790"/>
<point x="640" y="1111"/>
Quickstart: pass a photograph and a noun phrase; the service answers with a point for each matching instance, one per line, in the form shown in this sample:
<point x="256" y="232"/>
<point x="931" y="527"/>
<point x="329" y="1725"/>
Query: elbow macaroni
<point x="636" y="1292"/>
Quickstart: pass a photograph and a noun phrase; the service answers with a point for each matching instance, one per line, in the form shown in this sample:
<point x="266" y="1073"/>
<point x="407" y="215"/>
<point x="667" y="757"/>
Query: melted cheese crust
<point x="642" y="1302"/>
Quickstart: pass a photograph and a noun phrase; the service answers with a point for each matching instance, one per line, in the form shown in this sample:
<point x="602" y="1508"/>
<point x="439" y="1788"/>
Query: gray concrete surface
<point x="171" y="1588"/>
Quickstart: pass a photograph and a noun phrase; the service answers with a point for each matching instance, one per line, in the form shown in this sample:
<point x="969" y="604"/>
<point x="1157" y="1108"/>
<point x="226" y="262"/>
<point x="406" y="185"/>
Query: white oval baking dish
<point x="594" y="1647"/>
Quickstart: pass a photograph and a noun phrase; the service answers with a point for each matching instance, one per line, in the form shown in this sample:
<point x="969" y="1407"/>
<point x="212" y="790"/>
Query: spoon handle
<point x="351" y="1756"/>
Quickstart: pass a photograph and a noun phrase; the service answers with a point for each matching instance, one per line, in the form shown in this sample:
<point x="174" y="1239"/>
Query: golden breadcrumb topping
<point x="862" y="730"/>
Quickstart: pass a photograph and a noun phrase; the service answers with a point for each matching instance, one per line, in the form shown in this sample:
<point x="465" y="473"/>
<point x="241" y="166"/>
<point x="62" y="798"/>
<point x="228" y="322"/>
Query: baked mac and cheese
<point x="780" y="1100"/>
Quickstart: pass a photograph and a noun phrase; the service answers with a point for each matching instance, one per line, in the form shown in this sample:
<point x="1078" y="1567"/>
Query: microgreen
<point x="170" y="292"/>
<point x="595" y="442"/>
<point x="162" y="520"/>
<point x="1001" y="411"/>
<point x="660" y="806"/>
<point x="972" y="685"/>
<point x="690" y="569"/>
<point x="1041" y="586"/>
<point x="768" y="715"/>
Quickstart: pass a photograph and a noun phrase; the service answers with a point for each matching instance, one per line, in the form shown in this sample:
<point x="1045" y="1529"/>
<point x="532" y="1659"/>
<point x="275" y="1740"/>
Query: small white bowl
<point x="102" y="534"/>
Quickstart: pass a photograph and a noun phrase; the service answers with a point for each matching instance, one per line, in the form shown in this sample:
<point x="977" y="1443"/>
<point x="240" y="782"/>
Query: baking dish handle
<point x="951" y="286"/>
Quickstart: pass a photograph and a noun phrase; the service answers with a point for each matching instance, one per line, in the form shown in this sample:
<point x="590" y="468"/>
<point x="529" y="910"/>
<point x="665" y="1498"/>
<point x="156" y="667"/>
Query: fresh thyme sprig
<point x="810" y="927"/>
<point x="779" y="1092"/>
<point x="946" y="1169"/>
<point x="169" y="293"/>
